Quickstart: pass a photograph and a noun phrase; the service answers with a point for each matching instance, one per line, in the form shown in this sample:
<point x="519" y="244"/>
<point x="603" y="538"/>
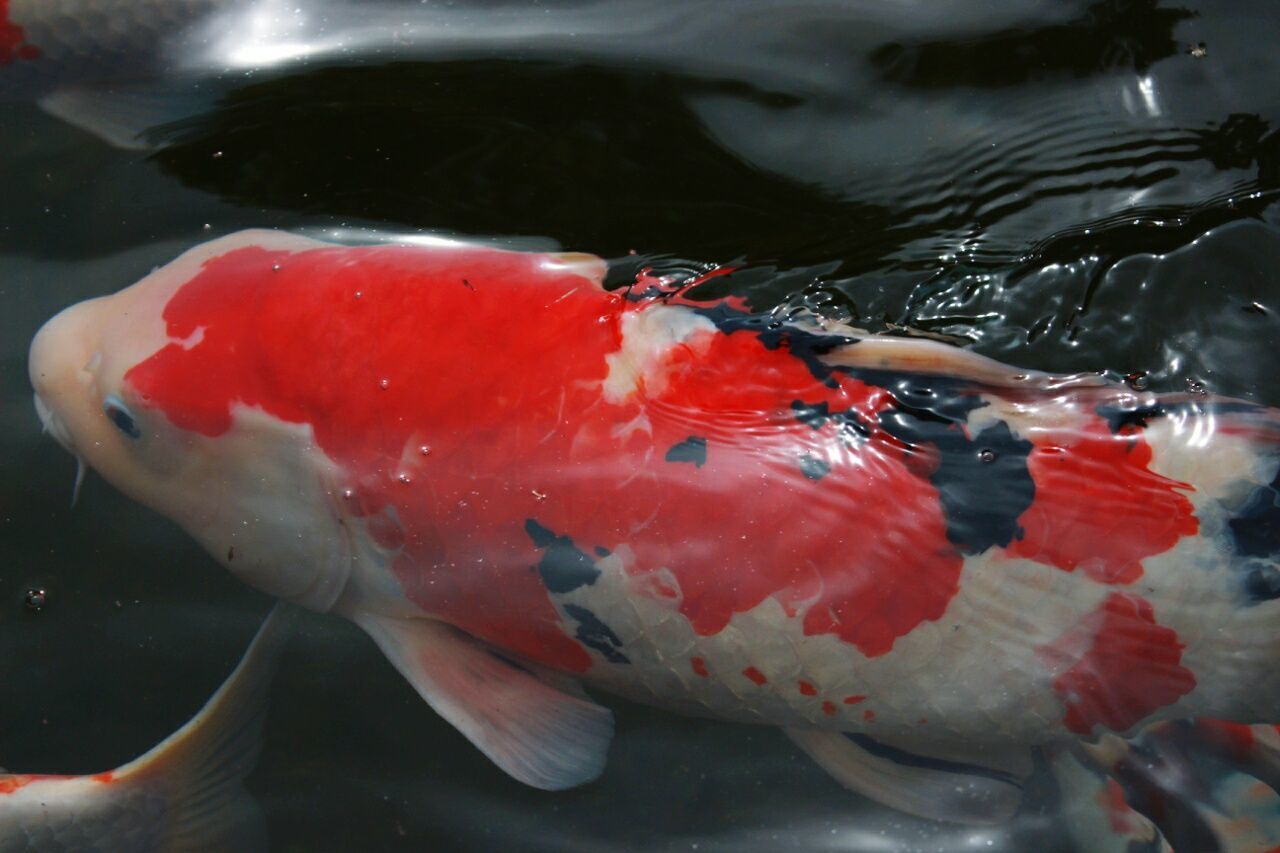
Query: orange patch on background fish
<point x="1117" y="666"/>
<point x="13" y="39"/>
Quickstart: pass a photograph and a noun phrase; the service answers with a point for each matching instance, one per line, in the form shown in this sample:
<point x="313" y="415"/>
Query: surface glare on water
<point x="1072" y="187"/>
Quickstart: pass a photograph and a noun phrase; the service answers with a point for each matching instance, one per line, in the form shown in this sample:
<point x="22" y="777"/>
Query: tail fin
<point x="1096" y="812"/>
<point x="200" y="767"/>
<point x="1204" y="785"/>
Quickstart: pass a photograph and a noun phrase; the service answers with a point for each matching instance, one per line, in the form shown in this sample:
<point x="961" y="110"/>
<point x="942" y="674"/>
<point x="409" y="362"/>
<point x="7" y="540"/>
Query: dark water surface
<point x="1065" y="186"/>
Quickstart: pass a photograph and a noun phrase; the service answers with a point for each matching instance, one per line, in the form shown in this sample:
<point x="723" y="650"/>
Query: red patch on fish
<point x="807" y="689"/>
<point x="344" y="340"/>
<point x="9" y="784"/>
<point x="1236" y="739"/>
<point x="754" y="675"/>
<point x="854" y="700"/>
<point x="13" y="39"/>
<point x="1119" y="814"/>
<point x="699" y="667"/>
<point x="380" y="349"/>
<point x="829" y="708"/>
<point x="1117" y="666"/>
<point x="840" y="561"/>
<point x="1098" y="507"/>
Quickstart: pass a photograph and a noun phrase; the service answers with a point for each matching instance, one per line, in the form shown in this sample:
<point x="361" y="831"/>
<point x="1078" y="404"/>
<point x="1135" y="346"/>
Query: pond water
<point x="1064" y="186"/>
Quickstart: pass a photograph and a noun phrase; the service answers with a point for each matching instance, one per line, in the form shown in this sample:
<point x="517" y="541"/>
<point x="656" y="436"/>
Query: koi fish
<point x="920" y="563"/>
<point x="184" y="794"/>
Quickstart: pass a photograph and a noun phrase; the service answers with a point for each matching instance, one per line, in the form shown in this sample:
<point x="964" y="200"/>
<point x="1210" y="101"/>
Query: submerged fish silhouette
<point x="919" y="562"/>
<point x="184" y="794"/>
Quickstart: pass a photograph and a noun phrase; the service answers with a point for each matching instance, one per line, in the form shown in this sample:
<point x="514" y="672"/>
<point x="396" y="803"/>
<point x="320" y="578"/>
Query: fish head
<point x="248" y="493"/>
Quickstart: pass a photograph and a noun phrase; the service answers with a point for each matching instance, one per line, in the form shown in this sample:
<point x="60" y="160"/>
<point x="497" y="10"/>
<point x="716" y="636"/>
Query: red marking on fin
<point x="1095" y="493"/>
<point x="13" y="39"/>
<point x="699" y="667"/>
<point x="808" y="689"/>
<point x="755" y="675"/>
<point x="1117" y="666"/>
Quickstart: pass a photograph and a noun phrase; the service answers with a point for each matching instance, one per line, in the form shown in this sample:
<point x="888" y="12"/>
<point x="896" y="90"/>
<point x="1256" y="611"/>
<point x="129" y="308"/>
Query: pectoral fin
<point x="916" y="783"/>
<point x="536" y="733"/>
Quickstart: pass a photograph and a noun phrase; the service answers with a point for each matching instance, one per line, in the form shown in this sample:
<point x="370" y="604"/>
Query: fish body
<point x="184" y="794"/>
<point x="887" y="546"/>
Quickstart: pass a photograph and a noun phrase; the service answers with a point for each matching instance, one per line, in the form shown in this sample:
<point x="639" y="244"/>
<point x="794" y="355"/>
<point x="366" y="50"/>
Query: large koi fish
<point x="919" y="562"/>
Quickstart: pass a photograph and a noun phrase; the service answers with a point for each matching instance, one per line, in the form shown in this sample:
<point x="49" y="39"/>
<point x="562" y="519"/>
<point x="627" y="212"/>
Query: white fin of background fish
<point x="185" y="794"/>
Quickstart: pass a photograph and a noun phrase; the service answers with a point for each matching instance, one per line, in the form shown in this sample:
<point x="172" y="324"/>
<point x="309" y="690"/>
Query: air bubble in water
<point x="35" y="599"/>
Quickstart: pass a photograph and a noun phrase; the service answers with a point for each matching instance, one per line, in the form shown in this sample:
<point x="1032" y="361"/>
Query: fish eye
<point x="118" y="413"/>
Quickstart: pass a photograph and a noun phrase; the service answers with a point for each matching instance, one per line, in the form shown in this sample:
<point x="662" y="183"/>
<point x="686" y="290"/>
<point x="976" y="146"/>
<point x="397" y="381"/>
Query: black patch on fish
<point x="816" y="415"/>
<point x="602" y="551"/>
<point x="564" y="566"/>
<point x="925" y="762"/>
<point x="813" y="467"/>
<point x="1255" y="533"/>
<point x="983" y="481"/>
<point x="941" y="398"/>
<point x="1262" y="583"/>
<point x="594" y="634"/>
<point x="692" y="449"/>
<point x="1141" y="415"/>
<point x="1119" y="417"/>
<point x="806" y="345"/>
